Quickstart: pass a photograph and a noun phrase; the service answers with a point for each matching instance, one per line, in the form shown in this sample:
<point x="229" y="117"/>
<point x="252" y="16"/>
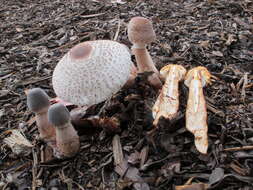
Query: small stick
<point x="249" y="147"/>
<point x="117" y="32"/>
<point x="34" y="170"/>
<point x="245" y="82"/>
<point x="117" y="150"/>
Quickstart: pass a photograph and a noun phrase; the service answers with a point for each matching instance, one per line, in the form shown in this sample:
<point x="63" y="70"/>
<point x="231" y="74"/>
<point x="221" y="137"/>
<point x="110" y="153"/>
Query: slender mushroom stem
<point x="167" y="103"/>
<point x="196" y="113"/>
<point x="144" y="60"/>
<point x="67" y="140"/>
<point x="38" y="102"/>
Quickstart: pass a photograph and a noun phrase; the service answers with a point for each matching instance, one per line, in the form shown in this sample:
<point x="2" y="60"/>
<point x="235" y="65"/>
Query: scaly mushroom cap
<point x="37" y="100"/>
<point x="200" y="73"/>
<point x="140" y="31"/>
<point x="180" y="70"/>
<point x="92" y="72"/>
<point x="58" y="115"/>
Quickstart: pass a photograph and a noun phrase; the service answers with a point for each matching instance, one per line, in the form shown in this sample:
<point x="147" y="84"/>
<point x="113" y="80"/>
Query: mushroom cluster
<point x="88" y="74"/>
<point x="53" y="123"/>
<point x="93" y="71"/>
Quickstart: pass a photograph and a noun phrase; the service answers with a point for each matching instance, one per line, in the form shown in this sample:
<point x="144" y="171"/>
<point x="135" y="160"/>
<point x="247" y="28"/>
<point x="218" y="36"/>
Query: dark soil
<point x="216" y="34"/>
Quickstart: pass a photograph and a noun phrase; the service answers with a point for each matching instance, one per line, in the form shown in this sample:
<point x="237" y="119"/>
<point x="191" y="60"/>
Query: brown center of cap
<point x="81" y="51"/>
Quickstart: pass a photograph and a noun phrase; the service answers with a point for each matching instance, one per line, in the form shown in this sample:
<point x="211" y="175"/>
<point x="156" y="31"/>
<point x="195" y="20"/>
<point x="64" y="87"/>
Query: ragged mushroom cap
<point x="58" y="115"/>
<point x="181" y="71"/>
<point x="200" y="73"/>
<point x="140" y="30"/>
<point x="37" y="100"/>
<point x="92" y="72"/>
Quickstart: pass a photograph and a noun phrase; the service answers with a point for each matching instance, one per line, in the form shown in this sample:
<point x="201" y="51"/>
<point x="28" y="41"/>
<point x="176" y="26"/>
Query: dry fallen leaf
<point x="18" y="143"/>
<point x="216" y="176"/>
<point x="129" y="174"/>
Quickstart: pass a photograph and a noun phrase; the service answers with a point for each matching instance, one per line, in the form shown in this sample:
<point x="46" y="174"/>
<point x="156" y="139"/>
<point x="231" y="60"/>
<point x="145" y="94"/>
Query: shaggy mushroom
<point x="38" y="102"/>
<point x="67" y="140"/>
<point x="167" y="103"/>
<point x="141" y="33"/>
<point x="196" y="113"/>
<point x="92" y="72"/>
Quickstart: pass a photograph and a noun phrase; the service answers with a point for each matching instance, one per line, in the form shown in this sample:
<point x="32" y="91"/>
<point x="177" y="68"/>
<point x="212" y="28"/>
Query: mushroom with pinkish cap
<point x="67" y="139"/>
<point x="92" y="72"/>
<point x="196" y="113"/>
<point x="38" y="102"/>
<point x="141" y="33"/>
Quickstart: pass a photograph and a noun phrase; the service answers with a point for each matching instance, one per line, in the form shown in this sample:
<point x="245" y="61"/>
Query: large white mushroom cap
<point x="92" y="72"/>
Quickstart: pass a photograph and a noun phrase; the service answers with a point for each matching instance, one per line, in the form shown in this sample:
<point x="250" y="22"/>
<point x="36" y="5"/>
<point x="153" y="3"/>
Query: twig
<point x="93" y="15"/>
<point x="34" y="81"/>
<point x="245" y="82"/>
<point x="34" y="170"/>
<point x="117" y="32"/>
<point x="214" y="110"/>
<point x="117" y="150"/>
<point x="250" y="147"/>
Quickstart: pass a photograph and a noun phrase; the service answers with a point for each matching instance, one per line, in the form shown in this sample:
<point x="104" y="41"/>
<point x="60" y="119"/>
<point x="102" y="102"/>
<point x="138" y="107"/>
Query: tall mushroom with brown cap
<point x="167" y="103"/>
<point x="196" y="113"/>
<point x="92" y="72"/>
<point x="67" y="140"/>
<point x="141" y="33"/>
<point x="38" y="102"/>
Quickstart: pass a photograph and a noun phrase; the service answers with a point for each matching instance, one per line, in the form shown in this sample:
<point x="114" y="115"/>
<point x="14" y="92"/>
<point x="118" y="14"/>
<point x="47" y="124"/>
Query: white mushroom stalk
<point x="167" y="103"/>
<point x="141" y="33"/>
<point x="67" y="140"/>
<point x="92" y="72"/>
<point x="196" y="113"/>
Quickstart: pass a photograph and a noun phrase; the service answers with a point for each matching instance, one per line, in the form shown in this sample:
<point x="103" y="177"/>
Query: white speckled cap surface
<point x="92" y="72"/>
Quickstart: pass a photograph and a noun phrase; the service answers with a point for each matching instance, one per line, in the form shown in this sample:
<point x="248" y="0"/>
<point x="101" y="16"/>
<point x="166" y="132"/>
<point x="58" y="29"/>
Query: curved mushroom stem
<point x="196" y="113"/>
<point x="145" y="63"/>
<point x="167" y="103"/>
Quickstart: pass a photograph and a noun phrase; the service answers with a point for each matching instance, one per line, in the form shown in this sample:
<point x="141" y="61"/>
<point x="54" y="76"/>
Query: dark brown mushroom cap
<point x="58" y="115"/>
<point x="37" y="100"/>
<point x="140" y="30"/>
